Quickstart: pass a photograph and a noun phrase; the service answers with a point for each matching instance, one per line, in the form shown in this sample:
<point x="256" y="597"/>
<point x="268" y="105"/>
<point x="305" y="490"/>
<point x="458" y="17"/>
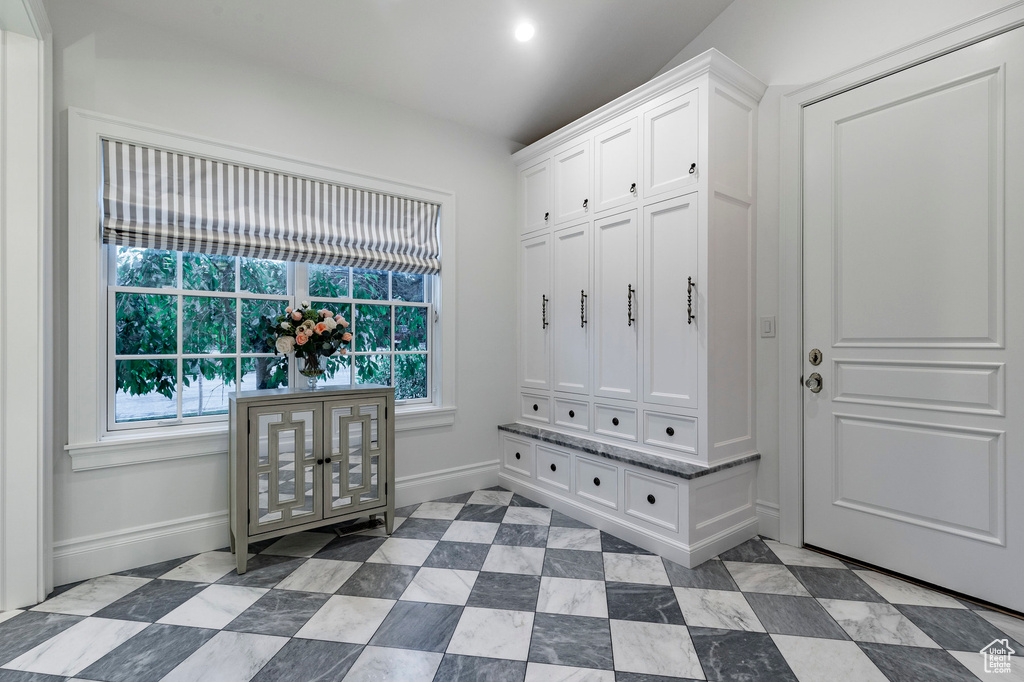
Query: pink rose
<point x="320" y="328"/>
<point x="340" y="320"/>
<point x="346" y="337"/>
<point x="288" y="310"/>
<point x="344" y="351"/>
<point x="296" y="315"/>
<point x="301" y="339"/>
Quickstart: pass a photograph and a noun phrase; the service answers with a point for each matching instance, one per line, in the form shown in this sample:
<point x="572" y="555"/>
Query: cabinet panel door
<point x="284" y="445"/>
<point x="616" y="176"/>
<point x="535" y="313"/>
<point x="617" y="307"/>
<point x="670" y="359"/>
<point x="572" y="182"/>
<point x="568" y="314"/>
<point x="671" y="145"/>
<point x="354" y="463"/>
<point x="535" y="197"/>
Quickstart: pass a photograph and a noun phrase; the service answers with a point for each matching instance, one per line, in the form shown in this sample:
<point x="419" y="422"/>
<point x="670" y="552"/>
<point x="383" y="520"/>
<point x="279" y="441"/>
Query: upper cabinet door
<point x="570" y="299"/>
<point x="672" y="145"/>
<point x="617" y="307"/>
<point x="535" y="313"/>
<point x="535" y="197"/>
<point x="616" y="168"/>
<point x="572" y="183"/>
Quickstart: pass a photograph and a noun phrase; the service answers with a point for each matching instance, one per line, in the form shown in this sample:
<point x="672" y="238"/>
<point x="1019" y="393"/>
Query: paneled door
<point x="535" y="313"/>
<point x="616" y="307"/>
<point x="913" y="324"/>
<point x="354" y="461"/>
<point x="572" y="182"/>
<point x="570" y="295"/>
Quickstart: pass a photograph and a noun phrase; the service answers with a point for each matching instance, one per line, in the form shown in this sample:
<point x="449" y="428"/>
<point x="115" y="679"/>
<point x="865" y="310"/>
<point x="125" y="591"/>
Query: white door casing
<point x="535" y="313"/>
<point x="570" y="299"/>
<point x="912" y="239"/>
<point x="616" y="307"/>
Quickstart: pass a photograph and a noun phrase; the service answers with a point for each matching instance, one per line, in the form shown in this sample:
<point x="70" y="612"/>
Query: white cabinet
<point x="570" y="297"/>
<point x="617" y="306"/>
<point x="535" y="197"/>
<point x="672" y="145"/>
<point x="572" y="182"/>
<point x="616" y="165"/>
<point x="535" y="313"/>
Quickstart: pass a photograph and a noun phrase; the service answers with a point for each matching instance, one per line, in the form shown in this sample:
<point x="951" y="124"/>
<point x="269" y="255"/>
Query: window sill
<point x="158" y="446"/>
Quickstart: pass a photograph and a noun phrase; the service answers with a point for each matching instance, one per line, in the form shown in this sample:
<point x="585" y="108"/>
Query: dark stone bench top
<point x="644" y="460"/>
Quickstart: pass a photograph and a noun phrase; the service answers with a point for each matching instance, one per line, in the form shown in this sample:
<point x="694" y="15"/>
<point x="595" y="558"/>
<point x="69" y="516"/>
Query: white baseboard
<point x="436" y="484"/>
<point x="768" y="519"/>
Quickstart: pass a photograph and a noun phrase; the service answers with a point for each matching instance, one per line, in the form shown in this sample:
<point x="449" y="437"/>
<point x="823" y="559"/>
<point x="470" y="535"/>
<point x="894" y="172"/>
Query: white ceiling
<point x="456" y="59"/>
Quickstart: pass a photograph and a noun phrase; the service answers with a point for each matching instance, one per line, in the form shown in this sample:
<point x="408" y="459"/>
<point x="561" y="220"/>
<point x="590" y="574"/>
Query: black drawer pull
<point x="553" y="467"/>
<point x="518" y="456"/>
<point x="535" y="408"/>
<point x="597" y="481"/>
<point x="572" y="415"/>
<point x="546" y="217"/>
<point x="693" y="168"/>
<point x="615" y="421"/>
<point x="670" y="431"/>
<point x="632" y="188"/>
<point x="585" y="202"/>
<point x="327" y="460"/>
<point x="650" y="498"/>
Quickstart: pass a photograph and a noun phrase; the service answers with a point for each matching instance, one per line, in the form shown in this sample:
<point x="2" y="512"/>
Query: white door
<point x="572" y="182"/>
<point x="616" y="169"/>
<point x="570" y="296"/>
<point x="535" y="197"/>
<point x="913" y="274"/>
<point x="535" y="313"/>
<point x="617" y="309"/>
<point x="671" y="145"/>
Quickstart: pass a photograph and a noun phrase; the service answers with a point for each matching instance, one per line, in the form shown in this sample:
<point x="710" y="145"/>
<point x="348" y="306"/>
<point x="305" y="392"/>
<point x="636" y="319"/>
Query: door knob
<point x="814" y="383"/>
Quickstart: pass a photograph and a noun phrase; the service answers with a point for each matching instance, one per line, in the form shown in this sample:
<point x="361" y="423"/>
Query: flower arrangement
<point x="309" y="334"/>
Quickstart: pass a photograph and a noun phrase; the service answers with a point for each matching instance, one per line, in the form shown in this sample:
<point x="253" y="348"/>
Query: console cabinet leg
<point x="389" y="521"/>
<point x="241" y="554"/>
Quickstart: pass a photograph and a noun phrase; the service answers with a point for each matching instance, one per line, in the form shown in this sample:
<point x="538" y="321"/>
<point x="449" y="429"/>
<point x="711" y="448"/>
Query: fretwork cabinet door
<point x="284" y="445"/>
<point x="355" y="464"/>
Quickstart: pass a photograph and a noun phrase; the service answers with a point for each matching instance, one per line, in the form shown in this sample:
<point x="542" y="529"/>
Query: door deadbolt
<point x="814" y="383"/>
<point x="814" y="356"/>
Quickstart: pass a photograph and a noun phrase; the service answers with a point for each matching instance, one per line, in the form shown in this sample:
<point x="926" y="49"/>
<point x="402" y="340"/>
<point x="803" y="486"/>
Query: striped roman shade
<point x="166" y="200"/>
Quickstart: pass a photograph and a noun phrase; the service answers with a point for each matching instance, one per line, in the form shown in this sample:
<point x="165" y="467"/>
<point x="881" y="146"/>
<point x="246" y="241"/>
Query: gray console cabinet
<point x="302" y="459"/>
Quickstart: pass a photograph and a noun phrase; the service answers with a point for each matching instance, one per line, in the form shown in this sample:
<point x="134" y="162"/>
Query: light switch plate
<point x="768" y="327"/>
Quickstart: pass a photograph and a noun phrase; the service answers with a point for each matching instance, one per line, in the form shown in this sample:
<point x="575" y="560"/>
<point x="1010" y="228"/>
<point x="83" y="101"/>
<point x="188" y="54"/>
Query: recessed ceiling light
<point x="525" y="31"/>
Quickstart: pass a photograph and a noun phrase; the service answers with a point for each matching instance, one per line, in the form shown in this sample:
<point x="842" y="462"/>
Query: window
<point x="187" y="329"/>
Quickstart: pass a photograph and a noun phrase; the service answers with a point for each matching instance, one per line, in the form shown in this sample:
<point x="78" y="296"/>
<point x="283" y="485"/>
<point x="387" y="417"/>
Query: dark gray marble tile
<point x="835" y="583"/>
<point x="264" y="570"/>
<point x="455" y="668"/>
<point x="781" y="614"/>
<point x="573" y="563"/>
<point x="461" y="498"/>
<point x="520" y="501"/>
<point x="956" y="629"/>
<point x="505" y="591"/>
<point x="486" y="513"/>
<point x="752" y="551"/>
<point x="21" y="676"/>
<point x="407" y="510"/>
<point x="571" y="640"/>
<point x="648" y="603"/>
<point x="310" y="660"/>
<point x="351" y="548"/>
<point x="415" y="625"/>
<point x="422" y="529"/>
<point x="383" y="581"/>
<point x="279" y="612"/>
<point x="638" y="677"/>
<point x="738" y="655"/>
<point x="152" y="601"/>
<point x="913" y="664"/>
<point x="468" y="556"/>
<point x="710" y="575"/>
<point x="562" y="521"/>
<point x="522" y="535"/>
<point x="30" y="629"/>
<point x="149" y="655"/>
<point x="610" y="543"/>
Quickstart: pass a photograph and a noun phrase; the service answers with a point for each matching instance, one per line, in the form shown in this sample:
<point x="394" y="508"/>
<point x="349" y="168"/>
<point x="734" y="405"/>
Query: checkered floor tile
<point x="491" y="586"/>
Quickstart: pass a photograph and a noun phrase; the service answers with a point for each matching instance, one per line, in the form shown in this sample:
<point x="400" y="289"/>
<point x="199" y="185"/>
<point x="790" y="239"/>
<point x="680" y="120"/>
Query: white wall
<point x="786" y="43"/>
<point x="110" y="64"/>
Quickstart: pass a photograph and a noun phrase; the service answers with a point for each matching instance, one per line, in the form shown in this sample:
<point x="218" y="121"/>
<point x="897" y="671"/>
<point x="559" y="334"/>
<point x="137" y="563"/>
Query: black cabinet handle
<point x="547" y="214"/>
<point x="615" y="421"/>
<point x="585" y="202"/>
<point x="518" y="456"/>
<point x="572" y="415"/>
<point x="693" y="168"/>
<point x="597" y="481"/>
<point x="319" y="461"/>
<point x="327" y="460"/>
<point x="650" y="498"/>
<point x="632" y="188"/>
<point x="535" y="408"/>
<point x="553" y="467"/>
<point x="670" y="431"/>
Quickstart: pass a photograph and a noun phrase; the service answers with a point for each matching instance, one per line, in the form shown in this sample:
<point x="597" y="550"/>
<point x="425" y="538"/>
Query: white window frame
<point x="92" y="445"/>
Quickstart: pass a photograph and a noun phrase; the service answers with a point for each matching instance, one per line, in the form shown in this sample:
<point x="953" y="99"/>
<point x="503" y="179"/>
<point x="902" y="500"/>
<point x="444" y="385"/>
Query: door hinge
<point x="801" y="380"/>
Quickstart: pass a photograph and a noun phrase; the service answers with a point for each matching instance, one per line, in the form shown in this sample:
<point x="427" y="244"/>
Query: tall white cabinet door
<point x="572" y="182"/>
<point x="535" y="313"/>
<point x="535" y="197"/>
<point x="616" y="167"/>
<point x="670" y="337"/>
<point x="570" y="307"/>
<point x="671" y="145"/>
<point x="616" y="313"/>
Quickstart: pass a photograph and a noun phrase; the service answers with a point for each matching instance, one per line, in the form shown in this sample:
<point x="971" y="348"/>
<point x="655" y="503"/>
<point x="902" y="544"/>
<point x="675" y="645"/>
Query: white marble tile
<point x="654" y="649"/>
<point x="798" y="556"/>
<point x="214" y="607"/>
<point x="717" y="609"/>
<point x="544" y="672"/>
<point x="493" y="497"/>
<point x="471" y="531"/>
<point x="766" y="578"/>
<point x="528" y="516"/>
<point x="897" y="591"/>
<point x="382" y="664"/>
<point x="872" y="622"/>
<point x="78" y="647"/>
<point x="405" y="551"/>
<point x="440" y="586"/>
<point x="437" y="510"/>
<point x="493" y="633"/>
<point x="1008" y="624"/>
<point x="814" y="659"/>
<point x="634" y="568"/>
<point x="208" y="567"/>
<point x="572" y="597"/>
<point x="510" y="559"/>
<point x="228" y="657"/>
<point x="347" y="619"/>
<point x="7" y="615"/>
<point x="92" y="595"/>
<point x="319" y="575"/>
<point x="300" y="544"/>
<point x="584" y="539"/>
<point x="975" y="662"/>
